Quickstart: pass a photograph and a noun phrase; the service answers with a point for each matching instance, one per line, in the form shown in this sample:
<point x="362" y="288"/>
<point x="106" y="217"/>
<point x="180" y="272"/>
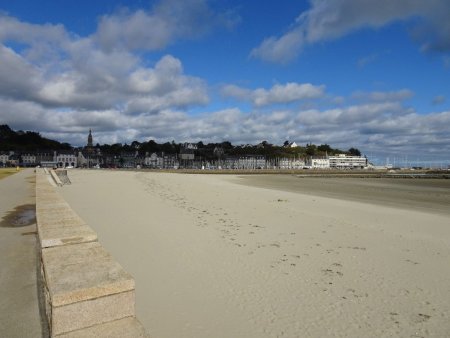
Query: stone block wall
<point x="87" y="293"/>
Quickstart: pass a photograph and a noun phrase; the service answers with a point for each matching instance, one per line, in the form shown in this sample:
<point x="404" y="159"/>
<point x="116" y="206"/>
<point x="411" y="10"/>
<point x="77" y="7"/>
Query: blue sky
<point x="371" y="74"/>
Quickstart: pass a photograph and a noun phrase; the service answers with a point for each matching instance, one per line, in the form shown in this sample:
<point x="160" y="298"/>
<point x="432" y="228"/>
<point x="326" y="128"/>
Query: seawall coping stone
<point x="81" y="272"/>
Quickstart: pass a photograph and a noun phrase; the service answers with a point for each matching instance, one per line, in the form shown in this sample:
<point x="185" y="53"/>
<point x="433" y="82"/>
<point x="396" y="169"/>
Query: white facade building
<point x="343" y="161"/>
<point x="290" y="163"/>
<point x="66" y="160"/>
<point x="154" y="161"/>
<point x="28" y="159"/>
<point x="4" y="158"/>
<point x="320" y="163"/>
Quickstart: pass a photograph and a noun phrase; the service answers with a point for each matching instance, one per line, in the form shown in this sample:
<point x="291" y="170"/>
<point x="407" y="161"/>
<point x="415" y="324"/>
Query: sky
<point x="370" y="74"/>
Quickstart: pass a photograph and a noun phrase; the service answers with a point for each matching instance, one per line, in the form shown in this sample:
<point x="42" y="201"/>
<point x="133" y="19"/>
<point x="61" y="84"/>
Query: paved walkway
<point x="20" y="301"/>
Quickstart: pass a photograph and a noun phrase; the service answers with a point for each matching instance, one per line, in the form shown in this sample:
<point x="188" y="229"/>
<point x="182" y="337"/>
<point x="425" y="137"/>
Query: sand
<point x="219" y="256"/>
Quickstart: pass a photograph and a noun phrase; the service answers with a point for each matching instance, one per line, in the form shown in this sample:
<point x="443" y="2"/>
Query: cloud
<point x="62" y="84"/>
<point x="439" y="99"/>
<point x="11" y="29"/>
<point x="155" y="29"/>
<point x="278" y="94"/>
<point x="328" y="20"/>
<point x="373" y="127"/>
<point x="77" y="74"/>
<point x="399" y="95"/>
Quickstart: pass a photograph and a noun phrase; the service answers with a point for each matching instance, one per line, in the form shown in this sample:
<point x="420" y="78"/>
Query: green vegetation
<point x="27" y="141"/>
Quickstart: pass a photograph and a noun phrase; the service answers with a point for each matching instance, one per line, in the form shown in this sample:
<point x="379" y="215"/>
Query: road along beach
<point x="230" y="256"/>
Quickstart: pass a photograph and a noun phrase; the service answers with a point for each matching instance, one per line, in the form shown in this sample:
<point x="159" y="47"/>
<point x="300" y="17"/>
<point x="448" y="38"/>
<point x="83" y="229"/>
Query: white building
<point x="66" y="159"/>
<point x="245" y="162"/>
<point x="153" y="161"/>
<point x="3" y="159"/>
<point x="290" y="163"/>
<point x="28" y="159"/>
<point x="319" y="163"/>
<point x="343" y="161"/>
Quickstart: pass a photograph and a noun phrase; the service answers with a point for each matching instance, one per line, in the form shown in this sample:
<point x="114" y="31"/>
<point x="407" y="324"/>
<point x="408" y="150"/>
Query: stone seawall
<point x="87" y="293"/>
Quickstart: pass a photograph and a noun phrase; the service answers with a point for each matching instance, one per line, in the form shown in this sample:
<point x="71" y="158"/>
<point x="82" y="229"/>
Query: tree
<point x="325" y="148"/>
<point x="354" y="152"/>
<point x="135" y="145"/>
<point x="311" y="149"/>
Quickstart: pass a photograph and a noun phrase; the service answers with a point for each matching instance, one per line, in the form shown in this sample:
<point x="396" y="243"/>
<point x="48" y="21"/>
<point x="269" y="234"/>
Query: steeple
<point x="89" y="143"/>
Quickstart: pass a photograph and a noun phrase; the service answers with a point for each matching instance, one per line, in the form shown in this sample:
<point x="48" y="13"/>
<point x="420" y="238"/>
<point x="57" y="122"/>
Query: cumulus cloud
<point x="82" y="76"/>
<point x="62" y="85"/>
<point x="278" y="94"/>
<point x="373" y="127"/>
<point x="158" y="27"/>
<point x="327" y="20"/>
<point x="398" y="95"/>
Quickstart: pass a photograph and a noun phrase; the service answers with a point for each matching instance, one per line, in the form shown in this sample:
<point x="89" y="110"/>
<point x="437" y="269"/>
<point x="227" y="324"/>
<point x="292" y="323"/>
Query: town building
<point x="153" y="161"/>
<point x="340" y="161"/>
<point x="245" y="162"/>
<point x="28" y="159"/>
<point x="319" y="163"/>
<point x="343" y="161"/>
<point x="4" y="159"/>
<point x="66" y="159"/>
<point x="290" y="163"/>
<point x="89" y="156"/>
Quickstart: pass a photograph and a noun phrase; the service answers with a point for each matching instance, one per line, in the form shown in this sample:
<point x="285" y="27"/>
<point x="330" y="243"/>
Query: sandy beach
<point x="264" y="256"/>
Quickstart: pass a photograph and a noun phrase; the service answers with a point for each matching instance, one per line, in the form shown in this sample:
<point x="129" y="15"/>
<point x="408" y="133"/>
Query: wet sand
<point x="428" y="195"/>
<point x="215" y="257"/>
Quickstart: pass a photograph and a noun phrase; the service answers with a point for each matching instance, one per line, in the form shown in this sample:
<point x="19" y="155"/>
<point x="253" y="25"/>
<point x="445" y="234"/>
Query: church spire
<point x="90" y="144"/>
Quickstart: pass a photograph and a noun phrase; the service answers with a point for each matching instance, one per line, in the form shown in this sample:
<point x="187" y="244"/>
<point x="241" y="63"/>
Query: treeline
<point x="33" y="141"/>
<point x="27" y="141"/>
<point x="212" y="151"/>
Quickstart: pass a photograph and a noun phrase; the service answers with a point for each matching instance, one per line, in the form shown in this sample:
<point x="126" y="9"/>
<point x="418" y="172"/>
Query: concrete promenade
<point x="19" y="297"/>
<point x="56" y="279"/>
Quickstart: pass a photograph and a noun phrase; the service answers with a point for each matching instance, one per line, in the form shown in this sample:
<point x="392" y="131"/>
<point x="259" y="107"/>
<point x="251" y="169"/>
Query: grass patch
<point x="4" y="172"/>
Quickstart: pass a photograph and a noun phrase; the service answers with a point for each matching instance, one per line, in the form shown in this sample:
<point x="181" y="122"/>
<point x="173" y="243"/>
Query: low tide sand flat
<point x="215" y="258"/>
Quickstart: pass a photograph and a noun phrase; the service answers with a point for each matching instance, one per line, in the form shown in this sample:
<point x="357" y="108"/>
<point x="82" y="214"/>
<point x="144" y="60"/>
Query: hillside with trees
<point x="28" y="141"/>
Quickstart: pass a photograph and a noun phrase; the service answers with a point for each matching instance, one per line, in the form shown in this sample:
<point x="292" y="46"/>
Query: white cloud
<point x="399" y="95"/>
<point x="18" y="77"/>
<point x="158" y="27"/>
<point x="373" y="127"/>
<point x="12" y="29"/>
<point x="62" y="85"/>
<point x="66" y="71"/>
<point x="331" y="19"/>
<point x="278" y="94"/>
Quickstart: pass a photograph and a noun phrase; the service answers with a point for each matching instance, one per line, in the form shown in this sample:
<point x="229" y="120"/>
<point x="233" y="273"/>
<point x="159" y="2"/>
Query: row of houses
<point x="45" y="159"/>
<point x="90" y="158"/>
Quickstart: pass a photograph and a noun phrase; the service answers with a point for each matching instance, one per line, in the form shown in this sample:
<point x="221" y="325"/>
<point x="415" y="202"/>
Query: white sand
<point x="213" y="258"/>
